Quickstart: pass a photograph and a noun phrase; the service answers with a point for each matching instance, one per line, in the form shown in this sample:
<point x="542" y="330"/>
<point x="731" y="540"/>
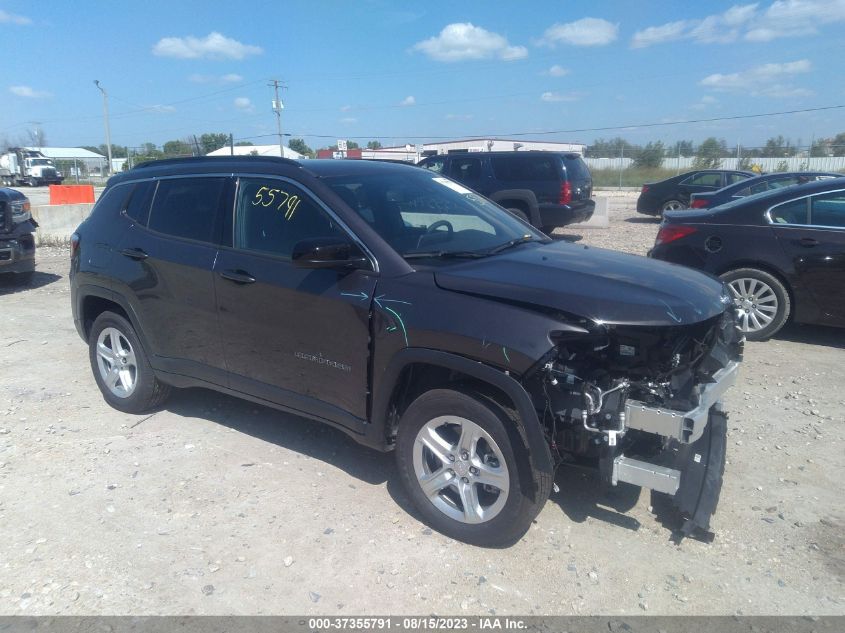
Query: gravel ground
<point x="218" y="506"/>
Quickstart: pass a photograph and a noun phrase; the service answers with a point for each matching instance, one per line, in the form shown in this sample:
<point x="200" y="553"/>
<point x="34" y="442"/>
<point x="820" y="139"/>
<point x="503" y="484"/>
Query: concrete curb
<point x="600" y="219"/>
<point x="56" y="223"/>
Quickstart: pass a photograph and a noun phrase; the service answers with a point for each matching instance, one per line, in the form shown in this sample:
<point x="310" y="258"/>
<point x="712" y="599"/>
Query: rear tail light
<point x="565" y="192"/>
<point x="644" y="189"/>
<point x="698" y="203"/>
<point x="671" y="232"/>
<point x="74" y="244"/>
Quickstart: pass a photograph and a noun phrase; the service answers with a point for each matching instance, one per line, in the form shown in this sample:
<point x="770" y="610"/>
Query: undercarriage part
<point x="645" y="475"/>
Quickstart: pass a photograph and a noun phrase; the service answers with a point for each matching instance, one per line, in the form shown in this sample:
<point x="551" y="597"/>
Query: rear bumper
<point x="564" y="214"/>
<point x="647" y="206"/>
<point x="17" y="254"/>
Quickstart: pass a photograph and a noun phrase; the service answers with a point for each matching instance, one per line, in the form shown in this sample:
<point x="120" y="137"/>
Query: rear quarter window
<point x="113" y="200"/>
<point x="527" y="167"/>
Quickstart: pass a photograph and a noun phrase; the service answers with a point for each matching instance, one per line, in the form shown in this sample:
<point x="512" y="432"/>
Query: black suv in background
<point x="416" y="316"/>
<point x="546" y="189"/>
<point x="17" y="239"/>
<point x="674" y="193"/>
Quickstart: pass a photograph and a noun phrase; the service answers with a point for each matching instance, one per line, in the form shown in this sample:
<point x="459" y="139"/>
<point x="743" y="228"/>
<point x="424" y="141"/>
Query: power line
<point x="573" y="130"/>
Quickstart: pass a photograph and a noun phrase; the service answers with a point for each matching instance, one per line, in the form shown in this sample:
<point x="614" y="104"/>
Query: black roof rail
<point x="188" y="160"/>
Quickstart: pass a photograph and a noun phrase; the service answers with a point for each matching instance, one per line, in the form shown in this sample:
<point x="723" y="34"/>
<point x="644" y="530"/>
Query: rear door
<point x="167" y="267"/>
<point x="811" y="231"/>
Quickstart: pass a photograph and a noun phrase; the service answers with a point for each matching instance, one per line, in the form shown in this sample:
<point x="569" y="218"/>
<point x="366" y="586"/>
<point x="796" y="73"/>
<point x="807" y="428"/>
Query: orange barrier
<point x="71" y="194"/>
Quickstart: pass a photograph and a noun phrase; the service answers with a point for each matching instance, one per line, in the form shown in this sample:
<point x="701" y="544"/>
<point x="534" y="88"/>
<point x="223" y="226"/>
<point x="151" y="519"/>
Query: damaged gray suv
<point x="416" y="316"/>
<point x="17" y="240"/>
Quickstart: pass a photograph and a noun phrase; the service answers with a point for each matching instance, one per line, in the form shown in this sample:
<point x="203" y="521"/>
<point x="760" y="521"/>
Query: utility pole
<point x="106" y="120"/>
<point x="278" y="106"/>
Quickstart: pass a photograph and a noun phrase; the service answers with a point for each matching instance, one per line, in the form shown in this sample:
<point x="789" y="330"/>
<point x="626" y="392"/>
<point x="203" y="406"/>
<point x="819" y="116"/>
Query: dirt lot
<point x="217" y="506"/>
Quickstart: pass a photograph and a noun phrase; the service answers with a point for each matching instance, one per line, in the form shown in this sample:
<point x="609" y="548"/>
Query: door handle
<point x="808" y="242"/>
<point x="238" y="276"/>
<point x="134" y="253"/>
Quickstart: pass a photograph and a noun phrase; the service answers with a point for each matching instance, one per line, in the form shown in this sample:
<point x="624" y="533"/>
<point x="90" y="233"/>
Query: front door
<point x="297" y="337"/>
<point x="812" y="233"/>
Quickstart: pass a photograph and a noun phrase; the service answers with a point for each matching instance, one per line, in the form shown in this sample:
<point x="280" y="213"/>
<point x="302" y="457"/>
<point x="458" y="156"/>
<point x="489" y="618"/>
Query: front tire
<point x="762" y="302"/>
<point x="459" y="465"/>
<point x="121" y="368"/>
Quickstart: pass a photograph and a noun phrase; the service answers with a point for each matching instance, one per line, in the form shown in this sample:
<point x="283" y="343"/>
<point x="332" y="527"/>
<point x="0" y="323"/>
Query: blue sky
<point x="401" y="71"/>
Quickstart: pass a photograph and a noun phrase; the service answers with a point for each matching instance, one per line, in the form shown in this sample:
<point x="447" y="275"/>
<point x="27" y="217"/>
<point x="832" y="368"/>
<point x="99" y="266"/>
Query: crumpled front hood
<point x="602" y="285"/>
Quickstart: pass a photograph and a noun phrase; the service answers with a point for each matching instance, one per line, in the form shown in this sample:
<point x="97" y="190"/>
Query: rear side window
<point x="576" y="168"/>
<point x="187" y="207"/>
<point x="435" y="164"/>
<point x="465" y="169"/>
<point x="138" y="206"/>
<point x="527" y="167"/>
<point x="705" y="179"/>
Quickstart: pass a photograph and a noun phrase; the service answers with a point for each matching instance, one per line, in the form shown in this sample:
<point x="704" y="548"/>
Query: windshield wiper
<point x="510" y="244"/>
<point x="445" y="254"/>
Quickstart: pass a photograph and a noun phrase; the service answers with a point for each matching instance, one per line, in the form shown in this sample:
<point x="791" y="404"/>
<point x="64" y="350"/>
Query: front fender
<point x="529" y="429"/>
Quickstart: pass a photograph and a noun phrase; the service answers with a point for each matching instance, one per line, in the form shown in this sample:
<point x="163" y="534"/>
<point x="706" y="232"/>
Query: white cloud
<point x="462" y="41"/>
<point x="12" y="18"/>
<point x="408" y="101"/>
<point x="659" y="34"/>
<point x="161" y="108"/>
<point x="231" y="78"/>
<point x="244" y="104"/>
<point x="558" y="97"/>
<point x="705" y="102"/>
<point x="349" y="119"/>
<point x="28" y="92"/>
<point x="583" y="32"/>
<point x="557" y="71"/>
<point x="458" y="117"/>
<point x="783" y="18"/>
<point x="765" y="80"/>
<point x="212" y="46"/>
<point x="792" y="18"/>
<point x="345" y="108"/>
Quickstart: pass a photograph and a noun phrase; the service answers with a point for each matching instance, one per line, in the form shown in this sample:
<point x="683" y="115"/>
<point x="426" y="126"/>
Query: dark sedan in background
<point x="758" y="184"/>
<point x="782" y="253"/>
<point x="674" y="193"/>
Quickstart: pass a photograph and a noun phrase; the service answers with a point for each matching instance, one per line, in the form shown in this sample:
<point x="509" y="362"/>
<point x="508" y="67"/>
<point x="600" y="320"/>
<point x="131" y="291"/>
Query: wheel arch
<point x="521" y="197"/>
<point x="94" y="300"/>
<point x="414" y="371"/>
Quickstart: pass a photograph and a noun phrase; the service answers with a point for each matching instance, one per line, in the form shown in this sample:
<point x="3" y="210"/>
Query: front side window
<point x="828" y="209"/>
<point x="273" y="215"/>
<point x="138" y="206"/>
<point x="466" y="169"/>
<point x="187" y="207"/>
<point x="735" y="178"/>
<point x="435" y="164"/>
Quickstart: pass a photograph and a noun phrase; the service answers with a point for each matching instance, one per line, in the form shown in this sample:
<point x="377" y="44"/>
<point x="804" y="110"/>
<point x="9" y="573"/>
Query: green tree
<point x="178" y="148"/>
<point x="685" y="148"/>
<point x="374" y="145"/>
<point x="710" y="153"/>
<point x="777" y="147"/>
<point x="244" y="143"/>
<point x="299" y="145"/>
<point x="650" y="156"/>
<point x="838" y="144"/>
<point x="211" y="141"/>
<point x="610" y="148"/>
<point x="821" y="147"/>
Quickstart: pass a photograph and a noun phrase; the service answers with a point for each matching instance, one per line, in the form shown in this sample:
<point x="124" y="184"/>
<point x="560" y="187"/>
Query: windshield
<point x="418" y="212"/>
<point x="40" y="161"/>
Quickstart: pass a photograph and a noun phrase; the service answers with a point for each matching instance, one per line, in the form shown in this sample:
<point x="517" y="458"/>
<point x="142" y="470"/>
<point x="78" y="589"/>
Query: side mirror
<point x="327" y="252"/>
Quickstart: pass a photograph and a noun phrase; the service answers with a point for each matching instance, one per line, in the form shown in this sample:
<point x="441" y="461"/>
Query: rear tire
<point x="460" y="447"/>
<point x="121" y="368"/>
<point x="763" y="304"/>
<point x="672" y="205"/>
